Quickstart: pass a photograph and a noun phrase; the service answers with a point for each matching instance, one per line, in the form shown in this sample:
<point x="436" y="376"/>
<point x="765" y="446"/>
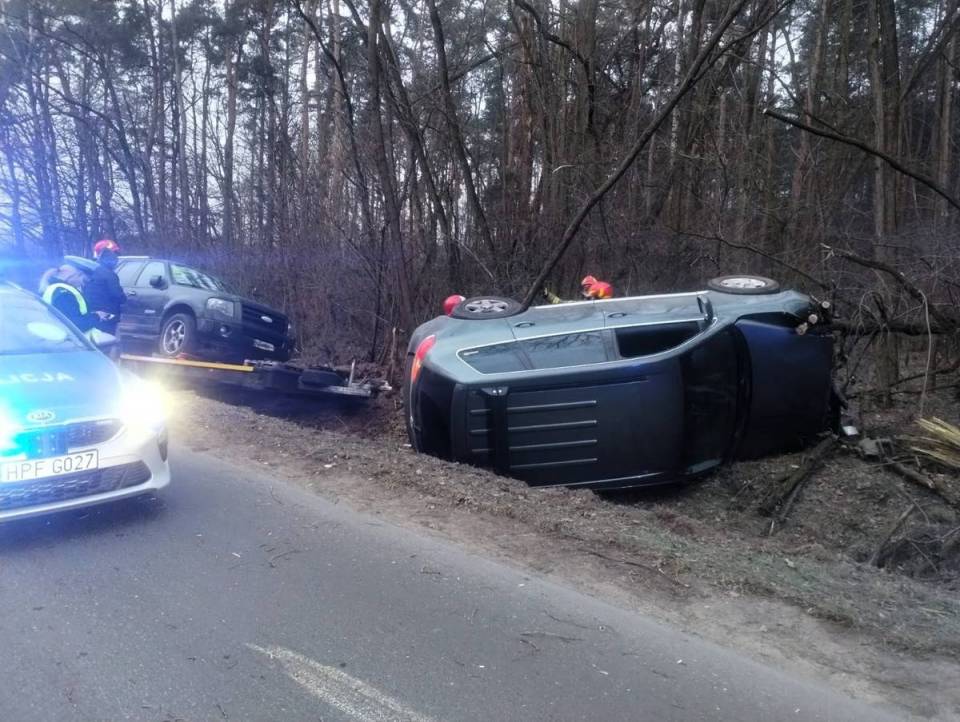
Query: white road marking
<point x="334" y="687"/>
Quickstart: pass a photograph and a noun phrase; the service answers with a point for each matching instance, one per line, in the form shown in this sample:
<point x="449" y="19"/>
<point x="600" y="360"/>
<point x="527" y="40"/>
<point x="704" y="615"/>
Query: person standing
<point x="103" y="291"/>
<point x="62" y="288"/>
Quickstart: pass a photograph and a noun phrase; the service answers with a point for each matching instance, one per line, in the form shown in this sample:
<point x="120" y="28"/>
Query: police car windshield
<point x="29" y="326"/>
<point x="185" y="276"/>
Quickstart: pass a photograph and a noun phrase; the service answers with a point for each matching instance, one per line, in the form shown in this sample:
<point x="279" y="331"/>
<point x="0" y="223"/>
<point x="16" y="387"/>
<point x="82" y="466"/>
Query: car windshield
<point x="186" y="276"/>
<point x="29" y="326"/>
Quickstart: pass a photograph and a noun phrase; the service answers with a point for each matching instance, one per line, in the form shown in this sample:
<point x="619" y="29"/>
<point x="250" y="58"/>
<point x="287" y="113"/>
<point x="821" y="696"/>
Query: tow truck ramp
<point x="267" y="376"/>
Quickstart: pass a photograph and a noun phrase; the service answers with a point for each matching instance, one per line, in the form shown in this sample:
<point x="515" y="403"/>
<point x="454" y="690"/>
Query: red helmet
<point x="588" y="281"/>
<point x="451" y="302"/>
<point x="105" y="245"/>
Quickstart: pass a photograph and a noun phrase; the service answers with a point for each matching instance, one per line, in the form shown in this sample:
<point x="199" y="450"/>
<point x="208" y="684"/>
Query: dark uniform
<point x="104" y="293"/>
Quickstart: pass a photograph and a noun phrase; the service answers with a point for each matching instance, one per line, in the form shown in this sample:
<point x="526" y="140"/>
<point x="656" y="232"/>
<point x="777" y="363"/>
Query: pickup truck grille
<point x="48" y="491"/>
<point x="255" y="323"/>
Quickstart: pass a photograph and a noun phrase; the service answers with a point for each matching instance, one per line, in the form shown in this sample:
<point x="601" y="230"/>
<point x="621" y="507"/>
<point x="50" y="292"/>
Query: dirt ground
<point x="698" y="556"/>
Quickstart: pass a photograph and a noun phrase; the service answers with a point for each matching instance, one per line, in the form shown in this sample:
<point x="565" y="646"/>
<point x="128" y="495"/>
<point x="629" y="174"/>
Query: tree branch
<point x="689" y="81"/>
<point x="847" y="140"/>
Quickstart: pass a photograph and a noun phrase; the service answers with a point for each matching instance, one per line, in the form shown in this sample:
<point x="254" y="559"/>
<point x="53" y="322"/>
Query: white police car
<point x="75" y="429"/>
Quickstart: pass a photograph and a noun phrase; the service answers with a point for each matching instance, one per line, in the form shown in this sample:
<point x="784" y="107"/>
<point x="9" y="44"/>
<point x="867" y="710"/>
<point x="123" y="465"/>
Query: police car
<point x="75" y="429"/>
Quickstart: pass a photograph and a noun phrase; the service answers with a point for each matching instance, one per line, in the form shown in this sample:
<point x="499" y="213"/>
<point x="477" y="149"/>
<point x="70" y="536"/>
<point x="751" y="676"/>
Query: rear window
<point x="502" y="358"/>
<point x="548" y="352"/>
<point x="29" y="326"/>
<point x="634" y="341"/>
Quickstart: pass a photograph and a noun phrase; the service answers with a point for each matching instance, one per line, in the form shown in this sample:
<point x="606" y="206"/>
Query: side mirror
<point x="157" y="282"/>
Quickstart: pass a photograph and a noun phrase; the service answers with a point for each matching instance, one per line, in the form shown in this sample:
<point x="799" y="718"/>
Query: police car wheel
<point x="483" y="307"/>
<point x="743" y="285"/>
<point x="178" y="334"/>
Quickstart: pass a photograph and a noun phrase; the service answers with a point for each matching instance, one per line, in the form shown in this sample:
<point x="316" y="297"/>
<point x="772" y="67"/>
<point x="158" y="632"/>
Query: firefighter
<point x="593" y="289"/>
<point x="102" y="290"/>
<point x="451" y="302"/>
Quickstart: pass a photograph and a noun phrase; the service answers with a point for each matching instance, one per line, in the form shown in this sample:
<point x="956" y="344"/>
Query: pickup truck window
<point x="127" y="272"/>
<point x="184" y="276"/>
<point x="154" y="268"/>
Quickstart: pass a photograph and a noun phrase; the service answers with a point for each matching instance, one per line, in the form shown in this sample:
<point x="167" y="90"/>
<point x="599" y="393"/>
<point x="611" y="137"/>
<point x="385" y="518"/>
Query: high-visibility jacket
<point x="71" y="303"/>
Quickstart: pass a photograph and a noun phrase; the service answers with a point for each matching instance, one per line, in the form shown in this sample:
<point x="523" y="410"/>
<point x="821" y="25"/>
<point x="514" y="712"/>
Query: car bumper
<point x="130" y="449"/>
<point x="233" y="341"/>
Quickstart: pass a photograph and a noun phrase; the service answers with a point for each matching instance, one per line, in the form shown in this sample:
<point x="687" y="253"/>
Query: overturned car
<point x="622" y="392"/>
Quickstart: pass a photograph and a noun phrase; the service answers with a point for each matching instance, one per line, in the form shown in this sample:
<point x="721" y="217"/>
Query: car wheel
<point x="743" y="285"/>
<point x="483" y="307"/>
<point x="178" y="335"/>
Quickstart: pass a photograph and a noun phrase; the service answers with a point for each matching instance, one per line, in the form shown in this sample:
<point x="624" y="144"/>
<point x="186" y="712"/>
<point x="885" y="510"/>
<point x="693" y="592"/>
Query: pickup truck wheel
<point x="178" y="335"/>
<point x="743" y="285"/>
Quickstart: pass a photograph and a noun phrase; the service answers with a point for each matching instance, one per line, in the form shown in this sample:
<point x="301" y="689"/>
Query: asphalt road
<point x="243" y="597"/>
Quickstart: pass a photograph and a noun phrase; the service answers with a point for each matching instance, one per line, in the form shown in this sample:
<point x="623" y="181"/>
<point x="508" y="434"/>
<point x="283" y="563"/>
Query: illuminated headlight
<point x="222" y="307"/>
<point x="8" y="435"/>
<point x="143" y="404"/>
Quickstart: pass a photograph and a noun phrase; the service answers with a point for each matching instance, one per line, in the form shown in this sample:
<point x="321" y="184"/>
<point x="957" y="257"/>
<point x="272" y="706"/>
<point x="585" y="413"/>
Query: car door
<point x="147" y="299"/>
<point x="127" y="272"/>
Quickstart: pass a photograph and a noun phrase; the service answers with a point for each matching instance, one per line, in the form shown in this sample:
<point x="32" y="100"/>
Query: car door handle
<point x="130" y="293"/>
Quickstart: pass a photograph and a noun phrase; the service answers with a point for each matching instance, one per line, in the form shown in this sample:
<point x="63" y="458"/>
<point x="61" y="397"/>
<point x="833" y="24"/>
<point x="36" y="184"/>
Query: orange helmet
<point x="105" y="245"/>
<point x="594" y="289"/>
<point x="451" y="302"/>
<point x="601" y="289"/>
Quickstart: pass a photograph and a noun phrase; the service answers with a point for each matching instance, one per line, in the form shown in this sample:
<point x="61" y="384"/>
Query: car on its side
<point x="75" y="429"/>
<point x="622" y="392"/>
<point x="176" y="310"/>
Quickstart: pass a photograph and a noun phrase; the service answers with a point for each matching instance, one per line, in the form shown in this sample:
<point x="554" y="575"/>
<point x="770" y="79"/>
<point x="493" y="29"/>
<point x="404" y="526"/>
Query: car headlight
<point x="8" y="435"/>
<point x="222" y="307"/>
<point x="143" y="404"/>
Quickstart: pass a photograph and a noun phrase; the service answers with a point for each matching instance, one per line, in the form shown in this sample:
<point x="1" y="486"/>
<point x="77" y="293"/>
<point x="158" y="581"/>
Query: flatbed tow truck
<point x="267" y="376"/>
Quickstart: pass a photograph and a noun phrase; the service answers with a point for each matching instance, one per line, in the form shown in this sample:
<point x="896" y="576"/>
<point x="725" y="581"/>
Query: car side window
<point x="154" y="268"/>
<point x="127" y="272"/>
<point x="574" y="349"/>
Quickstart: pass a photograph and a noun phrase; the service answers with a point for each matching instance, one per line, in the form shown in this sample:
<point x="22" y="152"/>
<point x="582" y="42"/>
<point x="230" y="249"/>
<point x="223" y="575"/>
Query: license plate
<point x="12" y="471"/>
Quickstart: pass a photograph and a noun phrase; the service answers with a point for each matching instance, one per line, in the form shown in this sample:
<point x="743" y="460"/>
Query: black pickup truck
<point x="182" y="310"/>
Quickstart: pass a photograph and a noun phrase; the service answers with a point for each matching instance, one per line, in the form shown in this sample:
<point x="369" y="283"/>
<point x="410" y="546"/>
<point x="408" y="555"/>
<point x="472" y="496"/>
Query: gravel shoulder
<point x="695" y="557"/>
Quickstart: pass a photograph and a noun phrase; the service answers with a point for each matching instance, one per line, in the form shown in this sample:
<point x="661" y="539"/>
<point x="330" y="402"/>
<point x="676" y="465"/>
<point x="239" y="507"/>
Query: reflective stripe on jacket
<point x="52" y="289"/>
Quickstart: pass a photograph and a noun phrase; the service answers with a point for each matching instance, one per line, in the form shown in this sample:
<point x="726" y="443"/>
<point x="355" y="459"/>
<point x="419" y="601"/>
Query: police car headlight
<point x="143" y="404"/>
<point x="8" y="434"/>
<point x="222" y="307"/>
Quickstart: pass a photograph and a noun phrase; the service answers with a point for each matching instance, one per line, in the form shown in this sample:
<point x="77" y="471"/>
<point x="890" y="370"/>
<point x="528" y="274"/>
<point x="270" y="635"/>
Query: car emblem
<point x="266" y="319"/>
<point x="41" y="416"/>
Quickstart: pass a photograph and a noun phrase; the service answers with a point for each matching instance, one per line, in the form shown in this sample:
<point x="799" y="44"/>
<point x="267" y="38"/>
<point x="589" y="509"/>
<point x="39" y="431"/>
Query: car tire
<point x="480" y="308"/>
<point x="178" y="335"/>
<point x="743" y="285"/>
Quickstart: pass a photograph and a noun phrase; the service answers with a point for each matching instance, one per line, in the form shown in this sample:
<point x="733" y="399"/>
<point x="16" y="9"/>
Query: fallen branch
<point x="900" y="279"/>
<point x="907" y="328"/>
<point x="784" y="493"/>
<point x="927" y="482"/>
<point x="847" y="140"/>
<point x="894" y="528"/>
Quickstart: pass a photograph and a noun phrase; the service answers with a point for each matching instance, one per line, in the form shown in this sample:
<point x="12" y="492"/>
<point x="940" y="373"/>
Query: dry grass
<point x="940" y="442"/>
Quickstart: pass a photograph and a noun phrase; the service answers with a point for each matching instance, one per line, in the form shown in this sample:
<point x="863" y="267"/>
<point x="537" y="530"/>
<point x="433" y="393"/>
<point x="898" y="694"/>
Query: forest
<point x="356" y="161"/>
